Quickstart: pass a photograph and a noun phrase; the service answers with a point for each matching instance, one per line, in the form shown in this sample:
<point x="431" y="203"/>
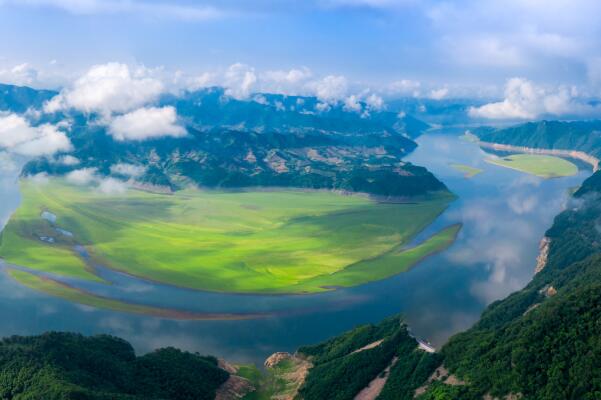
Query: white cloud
<point x="330" y="89"/>
<point x="352" y="104"/>
<point x="374" y="102"/>
<point x="239" y="81"/>
<point x="129" y="170"/>
<point x="146" y="123"/>
<point x="40" y="178"/>
<point x="112" y="186"/>
<point x="82" y="177"/>
<point x="20" y="75"/>
<point x="109" y="88"/>
<point x="260" y="99"/>
<point x="405" y="87"/>
<point x="522" y="204"/>
<point x="68" y="160"/>
<point x="89" y="176"/>
<point x="205" y="79"/>
<point x="292" y="76"/>
<point x="292" y="82"/>
<point x="439" y="94"/>
<point x="526" y="100"/>
<point x="19" y="137"/>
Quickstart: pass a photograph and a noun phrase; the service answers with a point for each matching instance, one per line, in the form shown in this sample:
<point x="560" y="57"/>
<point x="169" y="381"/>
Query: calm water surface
<point x="504" y="214"/>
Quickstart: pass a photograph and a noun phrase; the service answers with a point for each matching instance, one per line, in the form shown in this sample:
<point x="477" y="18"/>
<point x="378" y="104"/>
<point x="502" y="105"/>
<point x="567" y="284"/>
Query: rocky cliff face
<point x="543" y="255"/>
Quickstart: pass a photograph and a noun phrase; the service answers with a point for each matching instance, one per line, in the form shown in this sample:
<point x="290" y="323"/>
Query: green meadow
<point x="283" y="241"/>
<point x="535" y="164"/>
<point x="467" y="170"/>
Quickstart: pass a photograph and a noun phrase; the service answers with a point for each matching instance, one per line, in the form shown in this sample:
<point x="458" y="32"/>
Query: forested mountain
<point x="267" y="140"/>
<point x="66" y="366"/>
<point x="576" y="135"/>
<point x="346" y="364"/>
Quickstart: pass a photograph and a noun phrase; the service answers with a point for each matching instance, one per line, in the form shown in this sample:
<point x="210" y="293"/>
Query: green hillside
<point x="67" y="366"/>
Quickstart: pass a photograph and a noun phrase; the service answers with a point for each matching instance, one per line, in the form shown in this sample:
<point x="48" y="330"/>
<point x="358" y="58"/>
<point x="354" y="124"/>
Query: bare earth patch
<point x="373" y="390"/>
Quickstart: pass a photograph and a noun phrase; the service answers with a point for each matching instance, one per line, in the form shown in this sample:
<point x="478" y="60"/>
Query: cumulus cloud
<point x="239" y="81"/>
<point x="109" y="88"/>
<point x="292" y="81"/>
<point x="203" y="80"/>
<point x="374" y="102"/>
<point x="90" y="176"/>
<point x="526" y="100"/>
<point x="20" y="75"/>
<point x="19" y="137"/>
<point x="146" y="123"/>
<point x="112" y="186"/>
<point x="129" y="170"/>
<point x="82" y="177"/>
<point x="352" y="104"/>
<point x="68" y="160"/>
<point x="439" y="94"/>
<point x="40" y="178"/>
<point x="330" y="89"/>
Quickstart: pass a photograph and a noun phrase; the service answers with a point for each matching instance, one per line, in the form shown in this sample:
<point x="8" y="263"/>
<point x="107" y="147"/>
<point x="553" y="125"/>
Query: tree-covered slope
<point x="575" y="135"/>
<point x="542" y="342"/>
<point x="69" y="366"/>
<point x="344" y="365"/>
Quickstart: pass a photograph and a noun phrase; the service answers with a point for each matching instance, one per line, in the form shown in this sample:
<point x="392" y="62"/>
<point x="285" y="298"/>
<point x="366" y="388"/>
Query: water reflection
<point x="505" y="213"/>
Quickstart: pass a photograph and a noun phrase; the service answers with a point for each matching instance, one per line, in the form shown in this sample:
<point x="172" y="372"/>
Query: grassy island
<point x="535" y="164"/>
<point x="468" y="171"/>
<point x="283" y="241"/>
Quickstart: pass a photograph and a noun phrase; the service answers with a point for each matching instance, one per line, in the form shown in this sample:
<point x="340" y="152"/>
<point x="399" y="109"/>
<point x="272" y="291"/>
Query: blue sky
<point x="428" y="48"/>
<point x="523" y="59"/>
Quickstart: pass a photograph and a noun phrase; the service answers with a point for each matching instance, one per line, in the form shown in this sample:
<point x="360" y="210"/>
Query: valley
<point x="441" y="294"/>
<point x="300" y="200"/>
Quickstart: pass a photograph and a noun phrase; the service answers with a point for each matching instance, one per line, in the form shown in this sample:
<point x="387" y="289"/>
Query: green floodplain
<point x="281" y="241"/>
<point x="468" y="171"/>
<point x="543" y="166"/>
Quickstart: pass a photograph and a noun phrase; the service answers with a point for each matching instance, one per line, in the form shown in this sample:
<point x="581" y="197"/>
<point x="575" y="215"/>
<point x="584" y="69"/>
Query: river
<point x="504" y="214"/>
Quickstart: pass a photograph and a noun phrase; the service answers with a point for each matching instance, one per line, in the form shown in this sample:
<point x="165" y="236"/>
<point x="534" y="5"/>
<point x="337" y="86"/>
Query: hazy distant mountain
<point x="439" y="112"/>
<point x="18" y="98"/>
<point x="210" y="108"/>
<point x="575" y="135"/>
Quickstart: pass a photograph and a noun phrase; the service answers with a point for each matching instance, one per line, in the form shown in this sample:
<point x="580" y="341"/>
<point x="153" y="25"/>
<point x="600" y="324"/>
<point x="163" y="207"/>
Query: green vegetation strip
<point x="58" y="289"/>
<point x="540" y="165"/>
<point x="467" y="170"/>
<point x="283" y="241"/>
